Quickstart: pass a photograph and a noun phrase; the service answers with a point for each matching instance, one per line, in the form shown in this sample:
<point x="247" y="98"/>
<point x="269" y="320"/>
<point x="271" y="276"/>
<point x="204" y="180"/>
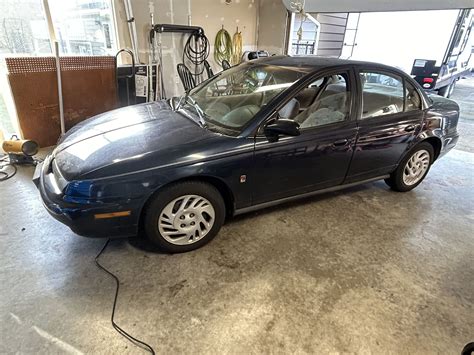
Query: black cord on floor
<point x="5" y="175"/>
<point x="122" y="332"/>
<point x="6" y="162"/>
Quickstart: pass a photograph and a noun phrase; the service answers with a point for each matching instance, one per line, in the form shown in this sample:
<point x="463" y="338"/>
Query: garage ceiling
<point x="384" y="5"/>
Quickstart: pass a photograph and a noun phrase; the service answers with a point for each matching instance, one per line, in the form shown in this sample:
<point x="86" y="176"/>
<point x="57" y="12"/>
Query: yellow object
<point x="237" y="47"/>
<point x="20" y="146"/>
<point x="112" y="214"/>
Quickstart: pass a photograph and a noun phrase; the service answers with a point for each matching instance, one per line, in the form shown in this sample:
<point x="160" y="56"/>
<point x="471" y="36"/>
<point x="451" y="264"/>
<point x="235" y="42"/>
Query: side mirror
<point x="282" y="127"/>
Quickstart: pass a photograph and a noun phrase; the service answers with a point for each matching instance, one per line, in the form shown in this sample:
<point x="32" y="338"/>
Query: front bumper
<point x="81" y="217"/>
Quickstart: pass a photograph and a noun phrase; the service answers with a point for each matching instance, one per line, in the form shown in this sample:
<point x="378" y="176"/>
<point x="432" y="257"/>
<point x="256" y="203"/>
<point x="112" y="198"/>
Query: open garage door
<point x="397" y="41"/>
<point x="378" y="5"/>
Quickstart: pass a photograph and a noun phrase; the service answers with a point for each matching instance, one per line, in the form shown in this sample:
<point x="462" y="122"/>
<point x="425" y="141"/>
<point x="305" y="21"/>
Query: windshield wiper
<point x="196" y="106"/>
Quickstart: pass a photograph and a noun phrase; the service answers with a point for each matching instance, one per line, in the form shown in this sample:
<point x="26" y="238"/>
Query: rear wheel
<point x="447" y="90"/>
<point x="412" y="169"/>
<point x="451" y="88"/>
<point x="184" y="216"/>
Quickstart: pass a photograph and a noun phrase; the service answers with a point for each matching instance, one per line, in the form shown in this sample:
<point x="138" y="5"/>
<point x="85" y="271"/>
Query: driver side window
<point x="323" y="102"/>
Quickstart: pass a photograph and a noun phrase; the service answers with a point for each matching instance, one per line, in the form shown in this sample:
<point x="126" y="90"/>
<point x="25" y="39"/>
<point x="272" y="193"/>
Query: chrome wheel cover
<point x="186" y="220"/>
<point x="416" y="167"/>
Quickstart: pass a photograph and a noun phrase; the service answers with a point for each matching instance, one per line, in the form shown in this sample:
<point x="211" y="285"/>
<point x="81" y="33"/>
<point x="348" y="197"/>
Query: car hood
<point x="126" y="140"/>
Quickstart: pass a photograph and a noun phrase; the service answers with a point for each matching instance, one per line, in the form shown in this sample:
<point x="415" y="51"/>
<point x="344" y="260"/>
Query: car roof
<point x="312" y="63"/>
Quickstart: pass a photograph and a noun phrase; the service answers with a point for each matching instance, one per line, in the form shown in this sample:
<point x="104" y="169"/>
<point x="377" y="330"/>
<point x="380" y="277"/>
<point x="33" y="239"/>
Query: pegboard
<point x="88" y="85"/>
<point x="87" y="63"/>
<point x="30" y="65"/>
<point x="46" y="64"/>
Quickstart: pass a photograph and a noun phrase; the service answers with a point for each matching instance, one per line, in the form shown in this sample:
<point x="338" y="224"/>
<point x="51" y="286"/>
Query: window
<point x="412" y="97"/>
<point x="84" y="27"/>
<point x="232" y="98"/>
<point x="324" y="102"/>
<point x="382" y="94"/>
<point x="23" y="32"/>
<point x="23" y="28"/>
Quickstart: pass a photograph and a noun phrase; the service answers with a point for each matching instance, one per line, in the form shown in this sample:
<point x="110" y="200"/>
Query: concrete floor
<point x="366" y="270"/>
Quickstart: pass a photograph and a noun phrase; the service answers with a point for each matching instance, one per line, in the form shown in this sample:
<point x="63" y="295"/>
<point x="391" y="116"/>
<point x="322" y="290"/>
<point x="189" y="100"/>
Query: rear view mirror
<point x="282" y="127"/>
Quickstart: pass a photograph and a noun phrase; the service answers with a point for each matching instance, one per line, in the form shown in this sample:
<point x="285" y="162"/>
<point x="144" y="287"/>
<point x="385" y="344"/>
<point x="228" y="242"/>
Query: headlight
<point x="79" y="189"/>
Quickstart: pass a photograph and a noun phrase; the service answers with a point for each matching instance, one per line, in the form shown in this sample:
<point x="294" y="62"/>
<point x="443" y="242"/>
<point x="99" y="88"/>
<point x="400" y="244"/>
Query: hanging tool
<point x="151" y="57"/>
<point x="222" y="46"/>
<point x="237" y="47"/>
<point x="196" y="50"/>
<point x="155" y="43"/>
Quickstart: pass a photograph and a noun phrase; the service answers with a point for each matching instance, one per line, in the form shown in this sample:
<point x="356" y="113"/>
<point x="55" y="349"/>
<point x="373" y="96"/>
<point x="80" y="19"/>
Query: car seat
<point x="290" y="110"/>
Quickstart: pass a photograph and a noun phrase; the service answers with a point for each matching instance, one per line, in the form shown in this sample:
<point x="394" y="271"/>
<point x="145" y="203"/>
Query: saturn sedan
<point x="256" y="135"/>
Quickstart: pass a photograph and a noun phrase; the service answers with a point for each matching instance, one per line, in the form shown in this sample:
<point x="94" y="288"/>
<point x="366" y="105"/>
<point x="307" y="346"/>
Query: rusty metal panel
<point x="88" y="89"/>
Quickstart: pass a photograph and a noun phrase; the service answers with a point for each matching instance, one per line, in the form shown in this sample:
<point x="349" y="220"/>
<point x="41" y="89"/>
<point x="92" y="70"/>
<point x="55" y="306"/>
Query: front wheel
<point x="184" y="216"/>
<point x="412" y="169"/>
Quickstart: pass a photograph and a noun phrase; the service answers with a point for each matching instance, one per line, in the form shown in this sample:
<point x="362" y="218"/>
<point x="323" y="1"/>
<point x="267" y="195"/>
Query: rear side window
<point x="382" y="94"/>
<point x="413" y="99"/>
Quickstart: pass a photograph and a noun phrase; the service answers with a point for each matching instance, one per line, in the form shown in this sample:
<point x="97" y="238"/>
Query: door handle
<point x="340" y="142"/>
<point x="410" y="128"/>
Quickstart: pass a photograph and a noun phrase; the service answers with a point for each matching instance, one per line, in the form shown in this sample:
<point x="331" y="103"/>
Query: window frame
<point x="361" y="91"/>
<point x="305" y="82"/>
<point x="415" y="89"/>
<point x="389" y="72"/>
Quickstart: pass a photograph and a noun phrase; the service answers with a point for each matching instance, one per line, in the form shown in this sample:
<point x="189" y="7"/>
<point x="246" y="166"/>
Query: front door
<point x="390" y="119"/>
<point x="320" y="156"/>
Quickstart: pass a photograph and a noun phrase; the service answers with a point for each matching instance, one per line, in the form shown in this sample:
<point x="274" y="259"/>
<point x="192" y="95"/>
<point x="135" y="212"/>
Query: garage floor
<point x="365" y="270"/>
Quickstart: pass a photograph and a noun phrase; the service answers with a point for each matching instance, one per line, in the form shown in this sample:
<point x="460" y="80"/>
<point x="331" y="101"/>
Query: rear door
<point x="389" y="119"/>
<point x="320" y="156"/>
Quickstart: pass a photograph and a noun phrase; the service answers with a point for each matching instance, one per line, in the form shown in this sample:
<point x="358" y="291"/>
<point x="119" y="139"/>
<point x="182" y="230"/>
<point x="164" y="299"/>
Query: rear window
<point x="386" y="93"/>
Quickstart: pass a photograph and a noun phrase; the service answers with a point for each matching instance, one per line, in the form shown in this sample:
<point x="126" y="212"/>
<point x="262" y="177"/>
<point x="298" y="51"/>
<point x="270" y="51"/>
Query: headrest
<point x="290" y="110"/>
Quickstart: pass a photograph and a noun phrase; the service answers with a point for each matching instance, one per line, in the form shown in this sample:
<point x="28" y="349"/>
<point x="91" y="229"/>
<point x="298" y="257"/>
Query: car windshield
<point x="233" y="97"/>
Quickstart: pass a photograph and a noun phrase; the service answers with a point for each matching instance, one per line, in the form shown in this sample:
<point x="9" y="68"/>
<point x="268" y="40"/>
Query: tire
<point x="420" y="158"/>
<point x="447" y="90"/>
<point x="451" y="88"/>
<point x="184" y="216"/>
<point x="444" y="91"/>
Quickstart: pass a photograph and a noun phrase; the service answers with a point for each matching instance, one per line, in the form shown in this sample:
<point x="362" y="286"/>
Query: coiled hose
<point x="237" y="47"/>
<point x="222" y="46"/>
<point x="196" y="51"/>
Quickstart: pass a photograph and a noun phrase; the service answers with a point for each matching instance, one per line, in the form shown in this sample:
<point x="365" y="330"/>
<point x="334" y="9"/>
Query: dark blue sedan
<point x="258" y="134"/>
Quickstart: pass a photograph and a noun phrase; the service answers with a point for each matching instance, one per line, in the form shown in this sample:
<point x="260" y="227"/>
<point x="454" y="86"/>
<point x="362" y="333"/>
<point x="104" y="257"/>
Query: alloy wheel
<point x="416" y="167"/>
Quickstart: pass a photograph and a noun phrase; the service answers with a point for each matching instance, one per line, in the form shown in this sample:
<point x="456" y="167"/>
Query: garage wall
<point x="209" y="14"/>
<point x="212" y="14"/>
